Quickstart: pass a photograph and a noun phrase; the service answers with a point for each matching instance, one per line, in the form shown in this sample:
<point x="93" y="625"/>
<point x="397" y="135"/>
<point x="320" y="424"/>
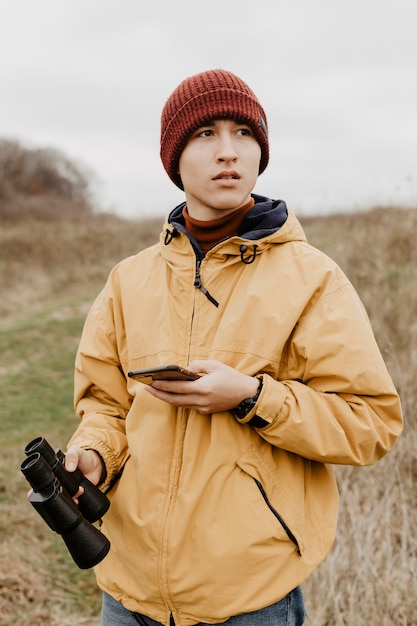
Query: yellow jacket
<point x="211" y="517"/>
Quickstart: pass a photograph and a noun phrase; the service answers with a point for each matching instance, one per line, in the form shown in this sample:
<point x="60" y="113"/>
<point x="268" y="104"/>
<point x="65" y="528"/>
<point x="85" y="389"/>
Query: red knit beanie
<point x="216" y="94"/>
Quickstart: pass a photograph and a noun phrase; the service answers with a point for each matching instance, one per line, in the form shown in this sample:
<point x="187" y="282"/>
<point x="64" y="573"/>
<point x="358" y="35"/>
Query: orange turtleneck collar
<point x="210" y="232"/>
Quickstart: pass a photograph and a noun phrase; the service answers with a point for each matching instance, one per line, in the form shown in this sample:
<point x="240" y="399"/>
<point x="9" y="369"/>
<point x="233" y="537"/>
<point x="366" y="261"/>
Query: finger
<point x="187" y="401"/>
<point x="71" y="464"/>
<point x="201" y="367"/>
<point x="175" y="386"/>
<point x="78" y="494"/>
<point x="167" y="395"/>
<point x="176" y="399"/>
<point x="72" y="458"/>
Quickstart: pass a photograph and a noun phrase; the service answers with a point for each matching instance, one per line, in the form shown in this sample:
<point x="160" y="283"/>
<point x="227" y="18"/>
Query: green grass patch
<point x="36" y="375"/>
<point x="36" y="390"/>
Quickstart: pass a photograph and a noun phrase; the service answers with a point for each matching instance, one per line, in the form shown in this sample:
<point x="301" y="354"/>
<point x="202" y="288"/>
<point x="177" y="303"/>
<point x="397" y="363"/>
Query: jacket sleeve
<point x="100" y="391"/>
<point x="334" y="400"/>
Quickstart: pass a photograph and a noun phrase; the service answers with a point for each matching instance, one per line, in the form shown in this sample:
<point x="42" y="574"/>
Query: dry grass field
<point x="52" y="262"/>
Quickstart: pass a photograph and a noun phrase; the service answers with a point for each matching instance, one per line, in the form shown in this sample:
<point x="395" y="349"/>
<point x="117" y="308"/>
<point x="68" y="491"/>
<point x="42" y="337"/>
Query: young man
<point x="223" y="498"/>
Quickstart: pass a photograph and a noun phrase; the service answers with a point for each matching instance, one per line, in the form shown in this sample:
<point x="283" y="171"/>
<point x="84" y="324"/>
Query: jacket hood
<point x="265" y="218"/>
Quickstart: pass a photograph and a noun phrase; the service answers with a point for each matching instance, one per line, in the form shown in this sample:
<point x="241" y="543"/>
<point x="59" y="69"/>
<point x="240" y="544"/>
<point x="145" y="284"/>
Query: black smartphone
<point x="162" y="372"/>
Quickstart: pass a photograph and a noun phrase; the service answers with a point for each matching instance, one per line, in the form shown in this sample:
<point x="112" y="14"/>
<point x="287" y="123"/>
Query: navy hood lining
<point x="265" y="218"/>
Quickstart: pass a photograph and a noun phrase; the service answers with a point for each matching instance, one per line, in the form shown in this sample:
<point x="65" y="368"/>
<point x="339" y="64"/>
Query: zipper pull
<point x="199" y="285"/>
<point x="197" y="279"/>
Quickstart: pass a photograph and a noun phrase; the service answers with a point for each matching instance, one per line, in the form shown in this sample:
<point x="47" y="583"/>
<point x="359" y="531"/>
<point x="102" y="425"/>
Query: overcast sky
<point x="338" y="81"/>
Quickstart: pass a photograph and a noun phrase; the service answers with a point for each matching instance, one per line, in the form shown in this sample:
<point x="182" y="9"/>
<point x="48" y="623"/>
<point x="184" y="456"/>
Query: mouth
<point x="227" y="176"/>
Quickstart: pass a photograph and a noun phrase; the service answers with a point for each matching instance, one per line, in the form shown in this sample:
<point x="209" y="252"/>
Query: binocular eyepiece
<point x="53" y="489"/>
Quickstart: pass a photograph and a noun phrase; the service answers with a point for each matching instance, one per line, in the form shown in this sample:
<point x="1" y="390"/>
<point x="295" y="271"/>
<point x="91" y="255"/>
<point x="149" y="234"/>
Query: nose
<point x="226" y="150"/>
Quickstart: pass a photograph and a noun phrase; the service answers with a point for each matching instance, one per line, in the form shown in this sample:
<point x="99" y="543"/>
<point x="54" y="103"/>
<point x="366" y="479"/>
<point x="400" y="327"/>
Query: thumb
<point x="72" y="458"/>
<point x="202" y="366"/>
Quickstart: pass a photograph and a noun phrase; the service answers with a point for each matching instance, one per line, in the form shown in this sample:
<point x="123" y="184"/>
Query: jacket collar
<point x="265" y="218"/>
<point x="269" y="222"/>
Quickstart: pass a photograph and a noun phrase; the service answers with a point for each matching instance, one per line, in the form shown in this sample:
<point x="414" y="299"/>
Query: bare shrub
<point x="29" y="176"/>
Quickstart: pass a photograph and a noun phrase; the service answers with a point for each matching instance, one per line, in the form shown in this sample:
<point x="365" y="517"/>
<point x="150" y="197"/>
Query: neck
<point x="209" y="232"/>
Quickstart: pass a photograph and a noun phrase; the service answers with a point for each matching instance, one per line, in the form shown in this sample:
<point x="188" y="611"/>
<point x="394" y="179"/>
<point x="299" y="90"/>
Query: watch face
<point x="247" y="404"/>
<point x="245" y="407"/>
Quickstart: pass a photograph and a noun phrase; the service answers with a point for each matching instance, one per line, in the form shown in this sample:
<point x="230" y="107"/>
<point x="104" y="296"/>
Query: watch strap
<point x="246" y="406"/>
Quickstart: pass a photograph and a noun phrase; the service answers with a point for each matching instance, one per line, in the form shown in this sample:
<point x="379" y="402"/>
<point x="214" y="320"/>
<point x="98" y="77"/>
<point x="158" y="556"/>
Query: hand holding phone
<point x="162" y="372"/>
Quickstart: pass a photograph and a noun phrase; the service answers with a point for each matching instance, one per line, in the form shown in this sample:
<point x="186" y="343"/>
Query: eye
<point x="244" y="132"/>
<point x="203" y="132"/>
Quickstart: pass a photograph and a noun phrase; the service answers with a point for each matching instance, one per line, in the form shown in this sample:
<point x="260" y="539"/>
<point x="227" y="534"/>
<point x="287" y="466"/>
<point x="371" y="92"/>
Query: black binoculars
<point x="53" y="490"/>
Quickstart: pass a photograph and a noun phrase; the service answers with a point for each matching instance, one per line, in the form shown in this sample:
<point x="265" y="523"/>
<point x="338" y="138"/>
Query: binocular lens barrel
<point x="53" y="489"/>
<point x="37" y="471"/>
<point x="93" y="503"/>
<point x="42" y="446"/>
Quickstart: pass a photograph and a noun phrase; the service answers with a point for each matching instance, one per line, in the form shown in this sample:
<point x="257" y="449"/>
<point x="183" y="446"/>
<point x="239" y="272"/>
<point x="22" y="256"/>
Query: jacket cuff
<point x="110" y="465"/>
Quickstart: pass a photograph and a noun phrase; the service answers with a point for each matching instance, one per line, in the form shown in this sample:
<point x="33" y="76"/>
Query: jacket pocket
<point x="280" y="500"/>
<point x="277" y="515"/>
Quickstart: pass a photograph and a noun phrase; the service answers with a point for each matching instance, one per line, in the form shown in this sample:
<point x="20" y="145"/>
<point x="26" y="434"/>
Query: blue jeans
<point x="287" y="612"/>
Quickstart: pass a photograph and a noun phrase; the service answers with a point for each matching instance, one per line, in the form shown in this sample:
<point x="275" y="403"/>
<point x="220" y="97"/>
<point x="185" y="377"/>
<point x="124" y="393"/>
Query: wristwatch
<point x="246" y="406"/>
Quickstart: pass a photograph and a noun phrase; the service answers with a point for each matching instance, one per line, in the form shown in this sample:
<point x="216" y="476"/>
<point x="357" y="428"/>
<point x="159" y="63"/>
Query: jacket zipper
<point x="199" y="285"/>
<point x="169" y="235"/>
<point x="278" y="516"/>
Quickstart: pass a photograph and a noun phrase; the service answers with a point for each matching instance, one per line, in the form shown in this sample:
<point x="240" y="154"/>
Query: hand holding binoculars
<point x="53" y="490"/>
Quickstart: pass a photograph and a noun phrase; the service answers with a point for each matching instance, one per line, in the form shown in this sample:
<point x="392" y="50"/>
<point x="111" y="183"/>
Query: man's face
<point x="219" y="167"/>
